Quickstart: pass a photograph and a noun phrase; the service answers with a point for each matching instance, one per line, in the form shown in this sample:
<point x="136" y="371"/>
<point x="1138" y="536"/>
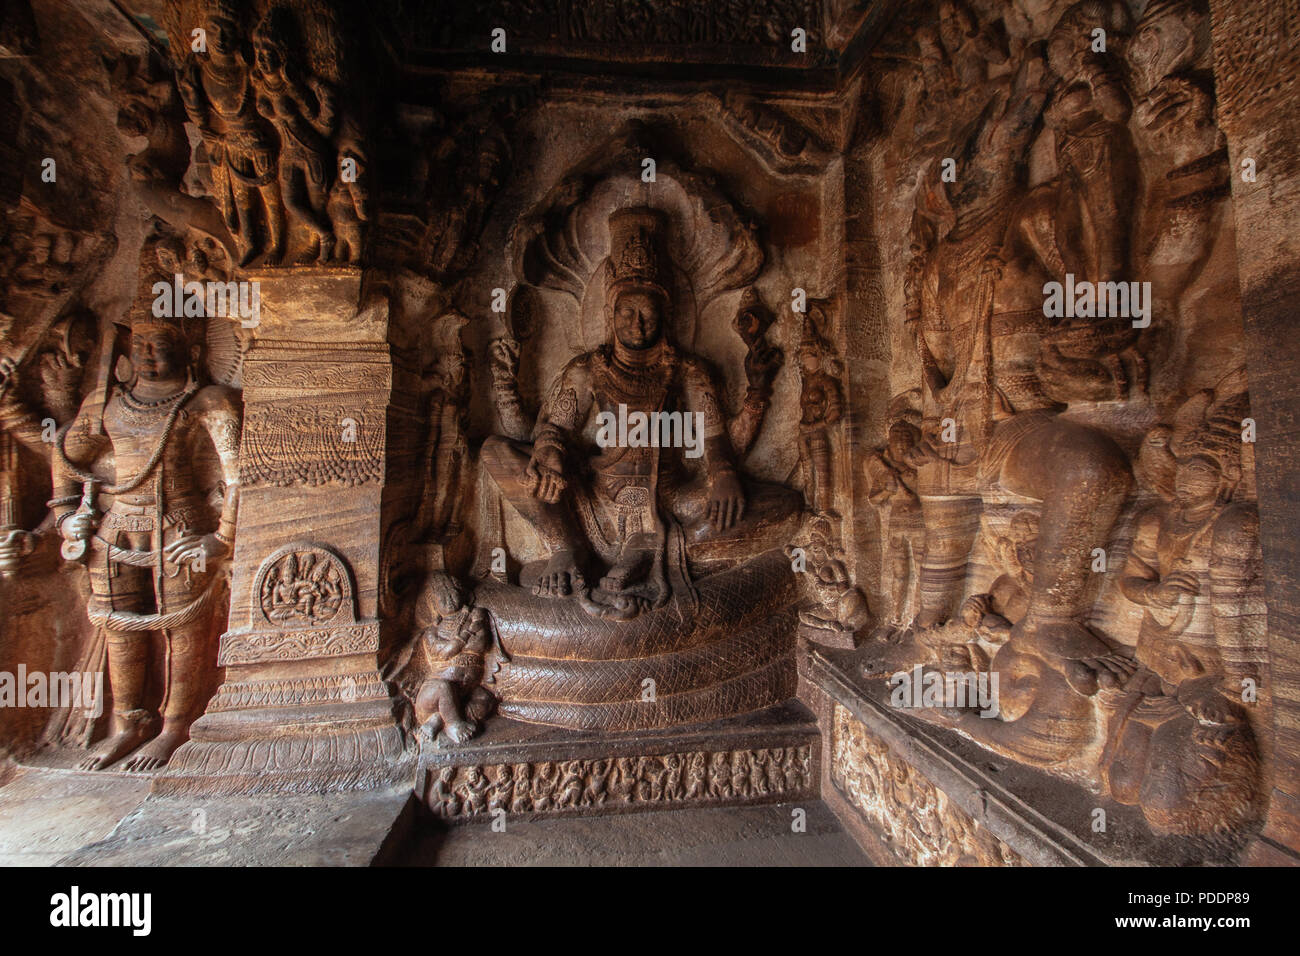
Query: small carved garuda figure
<point x="836" y="605"/>
<point x="219" y="98"/>
<point x="153" y="553"/>
<point x="644" y="504"/>
<point x="460" y="654"/>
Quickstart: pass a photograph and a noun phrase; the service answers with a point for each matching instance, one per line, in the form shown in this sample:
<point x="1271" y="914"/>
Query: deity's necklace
<point x="172" y="415"/>
<point x="141" y="404"/>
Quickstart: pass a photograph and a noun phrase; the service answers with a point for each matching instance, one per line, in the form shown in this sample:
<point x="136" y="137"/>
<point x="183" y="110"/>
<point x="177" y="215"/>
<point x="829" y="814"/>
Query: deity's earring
<point x="124" y="371"/>
<point x="1228" y="485"/>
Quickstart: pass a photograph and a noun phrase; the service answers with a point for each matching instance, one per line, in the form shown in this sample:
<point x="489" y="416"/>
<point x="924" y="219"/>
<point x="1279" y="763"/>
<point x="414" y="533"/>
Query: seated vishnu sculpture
<point x="625" y="496"/>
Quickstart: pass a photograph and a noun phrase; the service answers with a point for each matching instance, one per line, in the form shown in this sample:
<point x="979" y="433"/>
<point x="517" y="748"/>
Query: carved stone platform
<point x="918" y="794"/>
<point x="766" y="757"/>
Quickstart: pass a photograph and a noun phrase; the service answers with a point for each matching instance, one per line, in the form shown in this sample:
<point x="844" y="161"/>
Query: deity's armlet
<point x="569" y="403"/>
<point x="702" y="395"/>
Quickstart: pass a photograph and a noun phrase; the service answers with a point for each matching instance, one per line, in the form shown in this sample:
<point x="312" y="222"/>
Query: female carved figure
<point x="892" y="489"/>
<point x="217" y="91"/>
<point x="302" y="111"/>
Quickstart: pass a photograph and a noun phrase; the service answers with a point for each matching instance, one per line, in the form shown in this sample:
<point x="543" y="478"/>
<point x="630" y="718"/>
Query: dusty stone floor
<point x="46" y="814"/>
<point x="63" y="817"/>
<point x="722" y="836"/>
<point x="53" y="816"/>
<point x="342" y="829"/>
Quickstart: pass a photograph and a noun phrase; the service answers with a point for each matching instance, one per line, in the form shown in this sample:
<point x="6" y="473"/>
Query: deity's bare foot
<point x="1113" y="671"/>
<point x="480" y="704"/>
<point x="632" y="568"/>
<point x="1108" y="672"/>
<point x="155" y="754"/>
<point x="115" y="747"/>
<point x="430" y="729"/>
<point x="459" y="731"/>
<point x="561" y="577"/>
<point x="1060" y="639"/>
<point x="890" y="632"/>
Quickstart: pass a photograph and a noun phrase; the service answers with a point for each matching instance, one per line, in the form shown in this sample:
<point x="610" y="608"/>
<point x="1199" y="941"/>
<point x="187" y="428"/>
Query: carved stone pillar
<point x="866" y="343"/>
<point x="1255" y="58"/>
<point x="303" y="707"/>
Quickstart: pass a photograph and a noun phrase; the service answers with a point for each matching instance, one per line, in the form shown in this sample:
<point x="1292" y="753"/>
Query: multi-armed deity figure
<point x="153" y="553"/>
<point x="979" y="322"/>
<point x="640" y="508"/>
<point x="1166" y="729"/>
<point x="991" y="427"/>
<point x="219" y="96"/>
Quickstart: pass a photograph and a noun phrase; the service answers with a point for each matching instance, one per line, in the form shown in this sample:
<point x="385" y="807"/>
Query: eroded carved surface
<point x="916" y="820"/>
<point x="697" y="778"/>
<point x="1055" y="419"/>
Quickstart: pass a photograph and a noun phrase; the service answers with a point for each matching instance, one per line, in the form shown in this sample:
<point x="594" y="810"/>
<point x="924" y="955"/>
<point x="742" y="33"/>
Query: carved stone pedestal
<point x="529" y="771"/>
<point x="303" y="707"/>
<point x="914" y="793"/>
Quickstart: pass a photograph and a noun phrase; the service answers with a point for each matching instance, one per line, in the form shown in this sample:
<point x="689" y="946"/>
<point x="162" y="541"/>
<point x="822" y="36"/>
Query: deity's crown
<point x="636" y="257"/>
<point x="142" y="319"/>
<point x="638" y="260"/>
<point x="1210" y="442"/>
<point x="1210" y="426"/>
